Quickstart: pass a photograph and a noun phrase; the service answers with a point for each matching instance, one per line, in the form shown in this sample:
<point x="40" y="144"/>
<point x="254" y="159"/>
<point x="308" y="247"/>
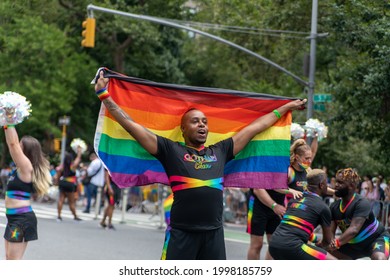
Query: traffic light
<point x="57" y="145"/>
<point x="88" y="33"/>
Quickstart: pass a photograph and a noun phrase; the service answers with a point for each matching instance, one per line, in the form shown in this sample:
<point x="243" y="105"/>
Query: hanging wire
<point x="244" y="30"/>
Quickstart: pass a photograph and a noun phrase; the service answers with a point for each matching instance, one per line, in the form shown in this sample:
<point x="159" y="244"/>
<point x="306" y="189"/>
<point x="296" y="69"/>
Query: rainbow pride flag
<point x="158" y="107"/>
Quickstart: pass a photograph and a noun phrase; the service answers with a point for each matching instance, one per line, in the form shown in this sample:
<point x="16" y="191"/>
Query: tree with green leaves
<point x="39" y="63"/>
<point x="45" y="62"/>
<point x="355" y="67"/>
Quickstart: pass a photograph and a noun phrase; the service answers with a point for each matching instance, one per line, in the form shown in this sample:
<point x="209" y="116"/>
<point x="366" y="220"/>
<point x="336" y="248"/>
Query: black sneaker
<point x="103" y="225"/>
<point x="77" y="219"/>
<point x="86" y="211"/>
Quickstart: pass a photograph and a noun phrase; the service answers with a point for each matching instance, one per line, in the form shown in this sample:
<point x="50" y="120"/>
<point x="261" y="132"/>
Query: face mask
<point x="341" y="192"/>
<point x="304" y="165"/>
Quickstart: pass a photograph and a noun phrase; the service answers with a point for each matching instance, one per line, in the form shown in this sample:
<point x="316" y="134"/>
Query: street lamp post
<point x="64" y="121"/>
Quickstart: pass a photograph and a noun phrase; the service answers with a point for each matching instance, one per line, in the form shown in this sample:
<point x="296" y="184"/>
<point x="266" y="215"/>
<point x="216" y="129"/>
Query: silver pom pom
<point x="14" y="108"/>
<point x="297" y="131"/>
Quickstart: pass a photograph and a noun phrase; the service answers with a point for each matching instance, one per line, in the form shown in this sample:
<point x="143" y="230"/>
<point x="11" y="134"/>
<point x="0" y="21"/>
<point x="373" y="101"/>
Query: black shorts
<point x="21" y="227"/>
<point x="193" y="245"/>
<point x="366" y="249"/>
<point x="300" y="251"/>
<point x="261" y="221"/>
<point x="65" y="186"/>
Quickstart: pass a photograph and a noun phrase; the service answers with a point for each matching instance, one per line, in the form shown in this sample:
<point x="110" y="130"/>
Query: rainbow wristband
<point x="313" y="238"/>
<point x="8" y="125"/>
<point x="337" y="241"/>
<point x="103" y="94"/>
<point x="277" y="114"/>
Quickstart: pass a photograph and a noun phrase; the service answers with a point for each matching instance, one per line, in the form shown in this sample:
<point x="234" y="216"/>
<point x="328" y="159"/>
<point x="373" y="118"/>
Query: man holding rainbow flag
<point x="195" y="168"/>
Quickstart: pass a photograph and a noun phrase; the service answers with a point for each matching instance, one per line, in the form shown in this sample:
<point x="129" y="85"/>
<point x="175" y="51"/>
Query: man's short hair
<point x="185" y="113"/>
<point x="315" y="177"/>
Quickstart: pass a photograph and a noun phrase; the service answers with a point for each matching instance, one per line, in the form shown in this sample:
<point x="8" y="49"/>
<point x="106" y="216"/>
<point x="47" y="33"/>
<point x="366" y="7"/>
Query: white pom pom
<point x="315" y="128"/>
<point x="297" y="131"/>
<point x="53" y="192"/>
<point x="77" y="142"/>
<point x="322" y="132"/>
<point x="13" y="108"/>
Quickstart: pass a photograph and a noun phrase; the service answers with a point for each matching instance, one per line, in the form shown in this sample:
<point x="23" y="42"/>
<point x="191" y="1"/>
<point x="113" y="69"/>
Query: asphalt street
<point x="137" y="236"/>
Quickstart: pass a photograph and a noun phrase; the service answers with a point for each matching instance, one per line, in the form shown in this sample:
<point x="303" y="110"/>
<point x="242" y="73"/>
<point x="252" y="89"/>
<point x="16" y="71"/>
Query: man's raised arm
<point x="147" y="139"/>
<point x="243" y="137"/>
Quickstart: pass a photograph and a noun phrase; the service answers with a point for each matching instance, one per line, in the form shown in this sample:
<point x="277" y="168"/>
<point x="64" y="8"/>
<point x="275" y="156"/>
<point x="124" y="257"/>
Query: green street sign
<point x="322" y="97"/>
<point x="319" y="107"/>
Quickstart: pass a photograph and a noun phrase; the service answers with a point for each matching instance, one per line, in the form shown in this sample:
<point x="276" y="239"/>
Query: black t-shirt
<point x="359" y="207"/>
<point x="303" y="215"/>
<point x="196" y="179"/>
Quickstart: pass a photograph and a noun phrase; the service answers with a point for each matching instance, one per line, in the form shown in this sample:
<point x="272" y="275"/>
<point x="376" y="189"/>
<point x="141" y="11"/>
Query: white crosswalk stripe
<point x="47" y="212"/>
<point x="131" y="219"/>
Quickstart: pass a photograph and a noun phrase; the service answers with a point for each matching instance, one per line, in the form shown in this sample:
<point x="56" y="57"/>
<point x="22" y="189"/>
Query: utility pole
<point x="312" y="67"/>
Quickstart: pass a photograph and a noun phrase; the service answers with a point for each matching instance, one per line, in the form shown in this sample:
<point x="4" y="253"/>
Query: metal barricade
<point x="235" y="206"/>
<point x="384" y="219"/>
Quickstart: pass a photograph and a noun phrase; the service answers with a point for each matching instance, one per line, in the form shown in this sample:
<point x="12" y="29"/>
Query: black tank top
<point x="299" y="179"/>
<point x="15" y="184"/>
